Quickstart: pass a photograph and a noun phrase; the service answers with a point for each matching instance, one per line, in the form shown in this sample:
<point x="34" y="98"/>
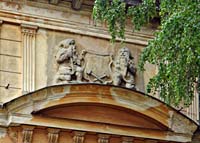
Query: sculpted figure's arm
<point x="82" y="55"/>
<point x="111" y="62"/>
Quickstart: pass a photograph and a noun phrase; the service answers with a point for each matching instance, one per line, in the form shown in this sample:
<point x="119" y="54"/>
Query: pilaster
<point x="27" y="134"/>
<point x="53" y="135"/>
<point x="78" y="137"/>
<point x="28" y="46"/>
<point x="103" y="138"/>
<point x="127" y="139"/>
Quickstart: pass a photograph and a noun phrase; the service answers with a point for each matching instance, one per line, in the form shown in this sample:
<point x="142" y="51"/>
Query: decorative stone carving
<point x="27" y="134"/>
<point x="53" y="135"/>
<point x="102" y="138"/>
<point x="123" y="69"/>
<point x="94" y="67"/>
<point x="69" y="61"/>
<point x="78" y="137"/>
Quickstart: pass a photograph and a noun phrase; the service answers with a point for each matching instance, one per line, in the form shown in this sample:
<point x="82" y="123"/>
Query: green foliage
<point x="142" y="13"/>
<point x="114" y="14"/>
<point x="176" y="46"/>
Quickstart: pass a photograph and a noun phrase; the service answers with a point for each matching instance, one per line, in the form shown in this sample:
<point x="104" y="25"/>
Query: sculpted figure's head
<point x="68" y="44"/>
<point x="124" y="53"/>
<point x="72" y="46"/>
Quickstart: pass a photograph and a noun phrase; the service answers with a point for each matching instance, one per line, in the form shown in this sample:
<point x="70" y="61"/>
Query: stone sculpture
<point x="123" y="71"/>
<point x="96" y="66"/>
<point x="73" y="67"/>
<point x="69" y="62"/>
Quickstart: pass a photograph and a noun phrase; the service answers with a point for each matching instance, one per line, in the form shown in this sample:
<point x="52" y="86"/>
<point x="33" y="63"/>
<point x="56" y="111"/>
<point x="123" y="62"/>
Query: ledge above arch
<point x="101" y="108"/>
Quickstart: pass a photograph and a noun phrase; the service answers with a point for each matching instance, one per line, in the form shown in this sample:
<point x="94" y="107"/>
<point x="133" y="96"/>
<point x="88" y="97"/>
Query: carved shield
<point x="97" y="67"/>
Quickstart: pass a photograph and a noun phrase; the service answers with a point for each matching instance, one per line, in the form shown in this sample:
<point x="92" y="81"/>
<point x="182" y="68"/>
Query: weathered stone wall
<point x="30" y="32"/>
<point x="10" y="61"/>
<point x="35" y="27"/>
<point x="87" y="43"/>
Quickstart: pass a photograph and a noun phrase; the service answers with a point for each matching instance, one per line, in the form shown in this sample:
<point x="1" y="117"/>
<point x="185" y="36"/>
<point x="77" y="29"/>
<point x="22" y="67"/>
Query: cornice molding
<point x="69" y="26"/>
<point x="57" y="22"/>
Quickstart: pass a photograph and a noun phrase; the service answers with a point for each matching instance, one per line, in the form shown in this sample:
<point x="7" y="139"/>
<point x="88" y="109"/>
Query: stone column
<point x="28" y="46"/>
<point x="78" y="137"/>
<point x="53" y="135"/>
<point x="27" y="134"/>
<point x="103" y="138"/>
<point x="127" y="139"/>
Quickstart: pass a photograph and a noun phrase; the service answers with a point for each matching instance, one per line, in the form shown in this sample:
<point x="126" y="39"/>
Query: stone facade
<point x="54" y="58"/>
<point x="31" y="32"/>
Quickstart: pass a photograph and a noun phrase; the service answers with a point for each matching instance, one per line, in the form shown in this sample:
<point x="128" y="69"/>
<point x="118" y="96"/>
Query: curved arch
<point x="155" y="112"/>
<point x="146" y="107"/>
<point x="101" y="113"/>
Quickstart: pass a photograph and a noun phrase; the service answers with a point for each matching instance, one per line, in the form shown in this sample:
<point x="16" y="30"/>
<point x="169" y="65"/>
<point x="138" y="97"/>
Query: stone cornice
<point x="65" y="25"/>
<point x="103" y="128"/>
